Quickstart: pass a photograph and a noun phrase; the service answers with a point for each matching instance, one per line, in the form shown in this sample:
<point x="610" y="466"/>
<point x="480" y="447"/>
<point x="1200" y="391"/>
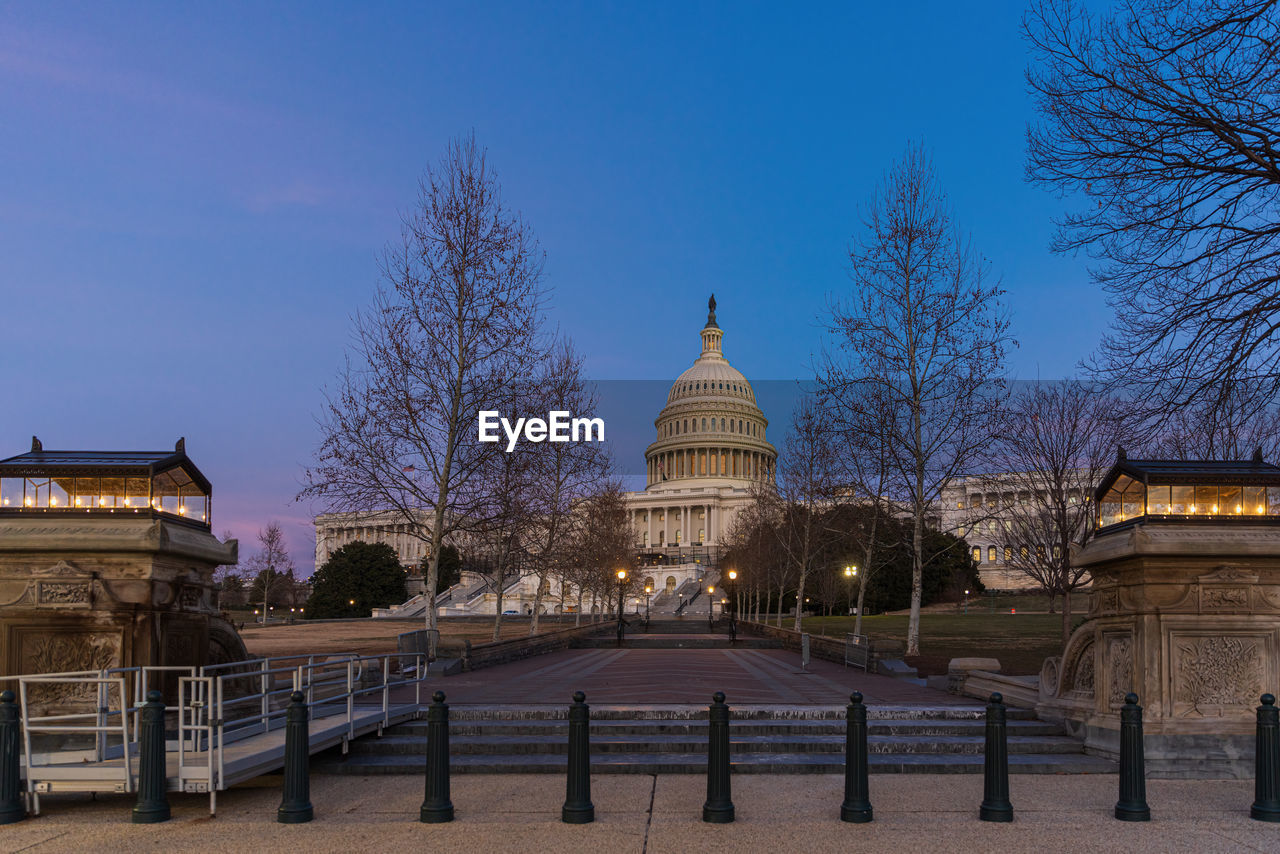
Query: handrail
<point x="213" y="709"/>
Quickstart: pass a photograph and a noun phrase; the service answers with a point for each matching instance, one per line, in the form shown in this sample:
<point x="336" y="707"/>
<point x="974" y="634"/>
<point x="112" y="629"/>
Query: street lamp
<point x="648" y="592"/>
<point x="731" y="589"/>
<point x="851" y="572"/>
<point x="966" y="601"/>
<point x="711" y="608"/>
<point x="622" y="588"/>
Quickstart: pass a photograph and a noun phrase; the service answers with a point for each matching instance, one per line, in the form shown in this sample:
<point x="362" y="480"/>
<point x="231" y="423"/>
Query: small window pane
<point x="1158" y="500"/>
<point x="1255" y="500"/>
<point x="1230" y="500"/>
<point x="11" y="492"/>
<point x="87" y="489"/>
<point x="112" y="494"/>
<point x="136" y="492"/>
<point x="1183" y="499"/>
<point x="62" y="492"/>
<point x="1206" y="500"/>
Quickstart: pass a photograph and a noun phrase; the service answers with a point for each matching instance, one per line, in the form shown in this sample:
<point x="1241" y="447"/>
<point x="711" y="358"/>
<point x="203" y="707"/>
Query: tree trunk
<point x="917" y="574"/>
<point x="577" y="615"/>
<point x="1066" y="617"/>
<point x="497" y="618"/>
<point x="537" y="605"/>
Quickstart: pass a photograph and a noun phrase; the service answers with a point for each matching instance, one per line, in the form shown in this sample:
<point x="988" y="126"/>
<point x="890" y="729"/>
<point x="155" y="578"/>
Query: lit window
<point x="977" y="554"/>
<point x="991" y="554"/>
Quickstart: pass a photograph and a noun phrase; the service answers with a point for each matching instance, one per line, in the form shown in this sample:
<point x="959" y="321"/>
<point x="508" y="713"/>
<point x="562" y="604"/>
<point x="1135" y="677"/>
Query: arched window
<point x="722" y="425"/>
<point x="739" y="425"/>
<point x="731" y="425"/>
<point x="977" y="554"/>
<point x="704" y="424"/>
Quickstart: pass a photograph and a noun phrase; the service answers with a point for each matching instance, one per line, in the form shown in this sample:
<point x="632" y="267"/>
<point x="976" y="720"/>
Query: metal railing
<point x="218" y="705"/>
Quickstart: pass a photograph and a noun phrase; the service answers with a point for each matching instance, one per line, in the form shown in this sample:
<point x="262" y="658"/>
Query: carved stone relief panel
<point x="1078" y="670"/>
<point x="1213" y="674"/>
<point x="62" y="594"/>
<point x="1119" y="669"/>
<point x="48" y="650"/>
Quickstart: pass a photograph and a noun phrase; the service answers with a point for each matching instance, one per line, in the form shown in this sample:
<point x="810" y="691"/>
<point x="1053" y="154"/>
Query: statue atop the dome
<point x="711" y="311"/>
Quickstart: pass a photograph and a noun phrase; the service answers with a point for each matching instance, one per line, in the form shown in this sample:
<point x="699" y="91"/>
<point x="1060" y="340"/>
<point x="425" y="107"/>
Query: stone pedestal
<point x="1188" y="617"/>
<point x="94" y="591"/>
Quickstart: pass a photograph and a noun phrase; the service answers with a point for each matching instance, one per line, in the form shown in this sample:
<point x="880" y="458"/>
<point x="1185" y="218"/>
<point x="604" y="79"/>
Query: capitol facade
<point x="711" y="444"/>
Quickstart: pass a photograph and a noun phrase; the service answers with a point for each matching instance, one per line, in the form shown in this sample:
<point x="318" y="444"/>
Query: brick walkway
<point x="682" y="676"/>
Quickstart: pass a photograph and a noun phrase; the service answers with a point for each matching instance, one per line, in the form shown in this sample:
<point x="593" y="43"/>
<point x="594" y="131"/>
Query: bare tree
<point x="859" y="413"/>
<point x="602" y="542"/>
<point x="1164" y="116"/>
<point x="456" y="317"/>
<point x="1231" y="425"/>
<point x="270" y="570"/>
<point x="804" y="490"/>
<point x="564" y="472"/>
<point x="924" y="327"/>
<point x="1060" y="440"/>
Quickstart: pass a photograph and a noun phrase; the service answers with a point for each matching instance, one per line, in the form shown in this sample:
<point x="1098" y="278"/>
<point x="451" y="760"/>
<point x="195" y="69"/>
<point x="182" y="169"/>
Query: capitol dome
<point x="711" y="428"/>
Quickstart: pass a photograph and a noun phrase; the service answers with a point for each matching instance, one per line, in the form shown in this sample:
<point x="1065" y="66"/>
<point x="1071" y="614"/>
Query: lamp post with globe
<point x="622" y="590"/>
<point x="731" y="588"/>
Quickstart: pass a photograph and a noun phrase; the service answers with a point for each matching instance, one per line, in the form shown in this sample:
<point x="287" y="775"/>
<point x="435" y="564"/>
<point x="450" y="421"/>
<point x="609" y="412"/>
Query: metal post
<point x="11" y="806"/>
<point x="153" y="800"/>
<point x="1266" y="786"/>
<point x="295" y="806"/>
<point x="995" y="765"/>
<point x="578" y="808"/>
<point x="857" y="806"/>
<point x="1132" y="805"/>
<point x="437" y="807"/>
<point x="719" y="806"/>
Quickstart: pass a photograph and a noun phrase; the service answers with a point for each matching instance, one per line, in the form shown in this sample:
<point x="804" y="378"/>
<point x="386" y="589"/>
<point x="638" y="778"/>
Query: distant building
<point x="981" y="509"/>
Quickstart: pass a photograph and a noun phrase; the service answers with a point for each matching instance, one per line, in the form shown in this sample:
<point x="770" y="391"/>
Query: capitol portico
<point x="711" y="445"/>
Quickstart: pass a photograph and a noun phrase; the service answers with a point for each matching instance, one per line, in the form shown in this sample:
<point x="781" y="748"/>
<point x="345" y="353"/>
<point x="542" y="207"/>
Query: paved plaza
<point x="682" y="676"/>
<point x="662" y="815"/>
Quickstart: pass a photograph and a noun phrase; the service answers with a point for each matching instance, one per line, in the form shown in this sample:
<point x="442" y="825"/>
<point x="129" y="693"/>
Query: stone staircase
<point x="792" y="740"/>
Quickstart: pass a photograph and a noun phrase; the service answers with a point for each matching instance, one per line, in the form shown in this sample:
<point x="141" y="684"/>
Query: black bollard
<point x="153" y="798"/>
<point x="295" y="805"/>
<point x="719" y="806"/>
<point x="11" y="806"/>
<point x="995" y="765"/>
<point x="1132" y="805"/>
<point x="857" y="806"/>
<point x="1266" y="786"/>
<point x="437" y="807"/>
<point x="578" y="808"/>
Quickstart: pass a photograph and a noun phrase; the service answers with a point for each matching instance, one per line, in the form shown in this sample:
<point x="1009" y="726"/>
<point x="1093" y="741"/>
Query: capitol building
<point x="710" y="444"/>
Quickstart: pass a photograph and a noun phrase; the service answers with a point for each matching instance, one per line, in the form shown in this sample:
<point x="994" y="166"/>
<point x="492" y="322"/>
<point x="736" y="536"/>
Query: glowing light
<point x="27" y="502"/>
<point x="78" y="502"/>
<point x="1260" y="508"/>
<point x="102" y="502"/>
<point x="1215" y="509"/>
<point x="53" y="502"/>
<point x="1239" y="509"/>
<point x="1193" y="508"/>
<point x="182" y="511"/>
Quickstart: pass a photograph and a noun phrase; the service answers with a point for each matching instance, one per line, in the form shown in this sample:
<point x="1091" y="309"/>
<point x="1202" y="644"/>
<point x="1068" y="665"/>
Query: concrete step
<point x="698" y="729"/>
<point x="478" y="745"/>
<point x="740" y="713"/>
<point x="678" y="641"/>
<point x="695" y="763"/>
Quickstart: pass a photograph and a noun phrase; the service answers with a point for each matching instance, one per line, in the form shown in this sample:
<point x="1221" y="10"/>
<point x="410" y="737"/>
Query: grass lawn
<point x="1020" y="641"/>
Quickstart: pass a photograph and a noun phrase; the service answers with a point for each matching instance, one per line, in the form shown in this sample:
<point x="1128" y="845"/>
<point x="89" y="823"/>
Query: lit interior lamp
<point x="1239" y="509"/>
<point x="102" y="502"/>
<point x="53" y="502"/>
<point x="27" y="502"/>
<point x="6" y="502"/>
<point x="79" y="503"/>
<point x="182" y="511"/>
<point x="1260" y="510"/>
<point x="1215" y="509"/>
<point x="1193" y="508"/>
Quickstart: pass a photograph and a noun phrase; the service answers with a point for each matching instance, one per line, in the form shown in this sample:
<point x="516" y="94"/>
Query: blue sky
<point x="193" y="198"/>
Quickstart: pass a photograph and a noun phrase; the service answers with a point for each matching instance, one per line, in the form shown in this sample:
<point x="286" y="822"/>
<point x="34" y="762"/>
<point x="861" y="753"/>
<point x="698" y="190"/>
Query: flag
<point x="409" y="469"/>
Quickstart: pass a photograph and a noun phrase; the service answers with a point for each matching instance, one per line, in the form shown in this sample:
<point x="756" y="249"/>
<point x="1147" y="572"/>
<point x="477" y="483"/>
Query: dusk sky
<point x="193" y="199"/>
